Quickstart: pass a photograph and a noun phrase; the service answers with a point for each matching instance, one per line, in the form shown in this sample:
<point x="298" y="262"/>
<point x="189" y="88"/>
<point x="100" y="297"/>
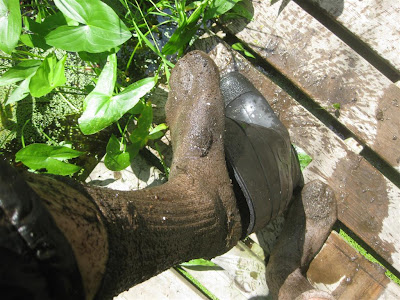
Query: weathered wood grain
<point x="368" y="203"/>
<point x="167" y="285"/>
<point x="341" y="270"/>
<point x="242" y="277"/>
<point x="375" y="22"/>
<point x="137" y="176"/>
<point x="328" y="71"/>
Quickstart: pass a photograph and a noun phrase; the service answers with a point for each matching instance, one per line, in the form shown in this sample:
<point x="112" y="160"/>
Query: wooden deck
<point x="310" y="56"/>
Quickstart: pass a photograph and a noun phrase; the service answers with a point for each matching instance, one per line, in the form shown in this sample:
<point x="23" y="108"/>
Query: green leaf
<point x="116" y="159"/>
<point x="304" y="158"/>
<point x="100" y="28"/>
<point x="239" y="47"/>
<point x="156" y="133"/>
<point x="75" y="10"/>
<point x="107" y="78"/>
<point x="336" y="105"/>
<point x="139" y="136"/>
<point x="219" y="7"/>
<point x="10" y="25"/>
<point x="43" y="156"/>
<point x="99" y="58"/>
<point x="20" y="72"/>
<point x="240" y="9"/>
<point x="48" y="76"/>
<point x="142" y="37"/>
<point x="184" y="33"/>
<point x="19" y="92"/>
<point x="40" y="30"/>
<point x="180" y="38"/>
<point x="101" y="108"/>
<point x="199" y="262"/>
<point x="138" y="108"/>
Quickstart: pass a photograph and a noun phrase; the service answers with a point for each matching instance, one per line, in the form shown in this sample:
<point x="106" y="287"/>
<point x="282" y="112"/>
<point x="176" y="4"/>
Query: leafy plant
<point x="53" y="31"/>
<point x="51" y="158"/>
<point x="101" y="108"/>
<point x="48" y="76"/>
<point x="121" y="152"/>
<point x="97" y="28"/>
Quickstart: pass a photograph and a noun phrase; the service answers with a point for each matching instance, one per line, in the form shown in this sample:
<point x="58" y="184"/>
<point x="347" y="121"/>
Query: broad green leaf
<point x="156" y="133"/>
<point x="31" y="41"/>
<point x="48" y="76"/>
<point x="40" y="30"/>
<point x="116" y="159"/>
<point x="10" y="24"/>
<point x="100" y="28"/>
<point x="138" y="108"/>
<point x="240" y="10"/>
<point x="100" y="58"/>
<point x="76" y="10"/>
<point x="219" y="7"/>
<point x="107" y="78"/>
<point x="135" y="91"/>
<point x="20" y="92"/>
<point x="43" y="156"/>
<point x="101" y="109"/>
<point x="20" y="72"/>
<point x="139" y="136"/>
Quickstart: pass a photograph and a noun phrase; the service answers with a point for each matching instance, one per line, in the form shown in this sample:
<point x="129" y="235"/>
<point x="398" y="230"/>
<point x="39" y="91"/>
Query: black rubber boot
<point x="262" y="162"/>
<point x="37" y="261"/>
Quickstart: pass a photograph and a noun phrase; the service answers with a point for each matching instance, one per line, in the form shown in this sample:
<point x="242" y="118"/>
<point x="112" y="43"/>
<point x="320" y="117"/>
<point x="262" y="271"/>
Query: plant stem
<point x="29" y="54"/>
<point x="22" y="133"/>
<point x="166" y="169"/>
<point x="67" y="101"/>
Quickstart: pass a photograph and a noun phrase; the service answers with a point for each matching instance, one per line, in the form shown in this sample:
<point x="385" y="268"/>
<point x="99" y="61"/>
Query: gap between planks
<point x="370" y="28"/>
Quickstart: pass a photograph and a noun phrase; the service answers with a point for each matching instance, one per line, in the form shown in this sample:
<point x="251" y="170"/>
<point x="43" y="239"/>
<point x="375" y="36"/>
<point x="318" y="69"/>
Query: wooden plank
<point x="242" y="277"/>
<point x="341" y="270"/>
<point x="328" y="71"/>
<point x="167" y="285"/>
<point x="392" y="292"/>
<point x="367" y="202"/>
<point x="137" y="176"/>
<point x="374" y="22"/>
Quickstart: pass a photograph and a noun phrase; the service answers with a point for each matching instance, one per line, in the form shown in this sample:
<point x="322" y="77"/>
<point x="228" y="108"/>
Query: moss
<point x="367" y="255"/>
<point x="52" y="118"/>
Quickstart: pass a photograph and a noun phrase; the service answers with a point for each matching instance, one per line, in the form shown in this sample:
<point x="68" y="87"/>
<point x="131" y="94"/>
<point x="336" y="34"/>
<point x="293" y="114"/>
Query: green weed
<point x="367" y="255"/>
<point x="106" y="41"/>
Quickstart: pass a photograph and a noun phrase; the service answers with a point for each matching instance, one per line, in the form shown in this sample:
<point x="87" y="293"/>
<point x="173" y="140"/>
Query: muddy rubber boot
<point x="259" y="154"/>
